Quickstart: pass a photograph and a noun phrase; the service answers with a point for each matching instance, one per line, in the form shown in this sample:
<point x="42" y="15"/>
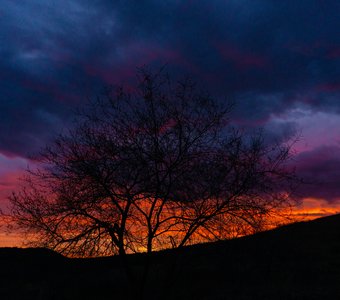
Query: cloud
<point x="311" y="208"/>
<point x="278" y="60"/>
<point x="320" y="169"/>
<point x="10" y="170"/>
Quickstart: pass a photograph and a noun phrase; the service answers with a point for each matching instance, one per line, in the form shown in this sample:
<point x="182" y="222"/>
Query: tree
<point x="157" y="167"/>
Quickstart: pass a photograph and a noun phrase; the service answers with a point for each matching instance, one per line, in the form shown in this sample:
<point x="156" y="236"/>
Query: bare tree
<point x="153" y="168"/>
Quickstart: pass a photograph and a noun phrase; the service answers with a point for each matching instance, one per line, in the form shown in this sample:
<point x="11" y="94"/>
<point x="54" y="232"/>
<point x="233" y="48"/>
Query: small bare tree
<point x="154" y="168"/>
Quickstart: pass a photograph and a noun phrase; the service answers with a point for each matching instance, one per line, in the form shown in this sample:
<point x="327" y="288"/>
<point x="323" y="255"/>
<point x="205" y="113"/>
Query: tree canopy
<point x="152" y="167"/>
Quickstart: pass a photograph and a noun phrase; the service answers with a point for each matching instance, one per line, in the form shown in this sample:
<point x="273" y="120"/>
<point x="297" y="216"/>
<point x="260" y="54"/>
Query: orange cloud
<point x="9" y="182"/>
<point x="312" y="208"/>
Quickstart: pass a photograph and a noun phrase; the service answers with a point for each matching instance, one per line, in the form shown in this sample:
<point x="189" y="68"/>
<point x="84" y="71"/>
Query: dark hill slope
<point x="298" y="261"/>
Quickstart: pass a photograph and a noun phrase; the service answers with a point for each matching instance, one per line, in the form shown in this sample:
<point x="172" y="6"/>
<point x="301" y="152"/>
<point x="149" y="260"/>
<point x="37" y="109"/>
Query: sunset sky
<point x="278" y="60"/>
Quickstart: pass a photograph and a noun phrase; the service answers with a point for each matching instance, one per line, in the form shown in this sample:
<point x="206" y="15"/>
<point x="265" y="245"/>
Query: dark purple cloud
<point x="273" y="57"/>
<point x="320" y="168"/>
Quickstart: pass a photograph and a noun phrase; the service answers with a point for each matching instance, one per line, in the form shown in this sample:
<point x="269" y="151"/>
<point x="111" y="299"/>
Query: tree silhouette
<point x="155" y="167"/>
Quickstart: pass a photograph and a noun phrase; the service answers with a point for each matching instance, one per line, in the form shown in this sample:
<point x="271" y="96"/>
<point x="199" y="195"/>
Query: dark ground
<point x="298" y="261"/>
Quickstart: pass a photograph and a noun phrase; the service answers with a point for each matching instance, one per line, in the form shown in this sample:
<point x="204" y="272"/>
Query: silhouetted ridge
<point x="10" y="252"/>
<point x="296" y="261"/>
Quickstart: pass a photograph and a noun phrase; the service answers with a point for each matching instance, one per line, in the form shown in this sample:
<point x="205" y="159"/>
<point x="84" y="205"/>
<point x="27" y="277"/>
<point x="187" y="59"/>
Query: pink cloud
<point x="9" y="183"/>
<point x="334" y="53"/>
<point x="321" y="159"/>
<point x="8" y="154"/>
<point x="135" y="54"/>
<point x="314" y="49"/>
<point x="320" y="169"/>
<point x="11" y="169"/>
<point x="243" y="60"/>
<point x="328" y="87"/>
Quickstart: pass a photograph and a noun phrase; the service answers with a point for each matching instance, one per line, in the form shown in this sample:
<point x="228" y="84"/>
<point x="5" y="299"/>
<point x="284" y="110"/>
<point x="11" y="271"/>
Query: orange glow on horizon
<point x="310" y="208"/>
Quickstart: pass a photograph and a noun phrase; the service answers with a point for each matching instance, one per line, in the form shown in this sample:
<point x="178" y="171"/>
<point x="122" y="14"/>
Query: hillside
<point x="298" y="261"/>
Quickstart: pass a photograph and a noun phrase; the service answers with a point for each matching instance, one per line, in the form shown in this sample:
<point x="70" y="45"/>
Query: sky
<point x="279" y="61"/>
